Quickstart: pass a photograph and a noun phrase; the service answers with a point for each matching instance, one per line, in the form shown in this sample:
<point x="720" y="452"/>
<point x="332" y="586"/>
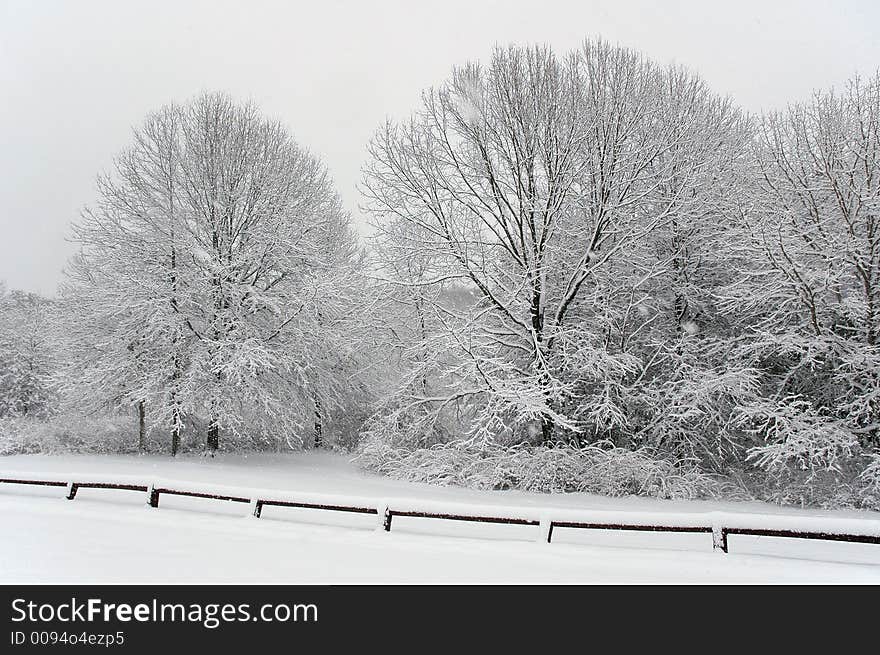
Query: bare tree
<point x="527" y="181"/>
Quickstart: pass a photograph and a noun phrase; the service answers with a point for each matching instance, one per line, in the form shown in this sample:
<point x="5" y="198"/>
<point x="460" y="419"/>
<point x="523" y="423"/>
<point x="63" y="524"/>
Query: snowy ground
<point x="111" y="536"/>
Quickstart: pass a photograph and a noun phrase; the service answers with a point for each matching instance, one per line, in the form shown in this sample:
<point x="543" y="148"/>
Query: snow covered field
<point x="111" y="536"/>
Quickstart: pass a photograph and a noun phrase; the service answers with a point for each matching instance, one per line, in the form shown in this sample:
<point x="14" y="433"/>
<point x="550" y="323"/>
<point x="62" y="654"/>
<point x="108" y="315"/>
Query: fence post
<point x="719" y="538"/>
<point x="71" y="490"/>
<point x="256" y="508"/>
<point x="152" y="496"/>
<point x="545" y="530"/>
<point x="386" y="519"/>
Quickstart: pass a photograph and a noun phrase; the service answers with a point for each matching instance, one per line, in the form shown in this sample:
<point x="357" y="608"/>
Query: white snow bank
<point x="49" y="540"/>
<point x="109" y="536"/>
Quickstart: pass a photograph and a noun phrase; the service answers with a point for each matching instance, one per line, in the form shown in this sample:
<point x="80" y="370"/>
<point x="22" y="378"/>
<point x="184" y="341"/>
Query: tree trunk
<point x="175" y="403"/>
<point x="423" y="336"/>
<point x="142" y="427"/>
<point x="546" y="430"/>
<point x="319" y="424"/>
<point x="213" y="441"/>
<point x="537" y="315"/>
<point x="547" y="423"/>
<point x="175" y="432"/>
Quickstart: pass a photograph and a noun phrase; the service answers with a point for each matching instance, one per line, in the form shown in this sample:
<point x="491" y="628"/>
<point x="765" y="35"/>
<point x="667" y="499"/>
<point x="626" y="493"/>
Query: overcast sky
<point x="76" y="76"/>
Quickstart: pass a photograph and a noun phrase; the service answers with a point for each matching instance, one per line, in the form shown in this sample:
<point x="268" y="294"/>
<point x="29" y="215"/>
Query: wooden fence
<point x="387" y="511"/>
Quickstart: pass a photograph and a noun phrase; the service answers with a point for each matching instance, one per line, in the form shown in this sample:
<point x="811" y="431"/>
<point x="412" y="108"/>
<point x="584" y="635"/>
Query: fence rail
<point x="716" y="525"/>
<point x="262" y="502"/>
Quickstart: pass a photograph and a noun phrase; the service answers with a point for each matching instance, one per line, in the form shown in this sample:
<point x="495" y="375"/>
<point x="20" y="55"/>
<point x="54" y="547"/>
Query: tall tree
<point x="532" y="181"/>
<point x="202" y="265"/>
<point x="814" y="279"/>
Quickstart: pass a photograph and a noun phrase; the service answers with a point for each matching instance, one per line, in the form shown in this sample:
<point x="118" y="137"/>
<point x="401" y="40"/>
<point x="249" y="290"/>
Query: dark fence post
<point x="154" y="496"/>
<point x="386" y="522"/>
<point x="258" y="509"/>
<point x="71" y="490"/>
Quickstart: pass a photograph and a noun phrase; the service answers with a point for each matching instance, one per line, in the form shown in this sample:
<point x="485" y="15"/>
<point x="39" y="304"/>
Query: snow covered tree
<point x="535" y="183"/>
<point x="813" y="280"/>
<point x="669" y="317"/>
<point x="204" y="270"/>
<point x="26" y="355"/>
<point x="821" y="236"/>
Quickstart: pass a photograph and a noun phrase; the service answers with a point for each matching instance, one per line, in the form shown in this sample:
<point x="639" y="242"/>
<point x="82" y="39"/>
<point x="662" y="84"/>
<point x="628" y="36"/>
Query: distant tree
<point x="26" y="357"/>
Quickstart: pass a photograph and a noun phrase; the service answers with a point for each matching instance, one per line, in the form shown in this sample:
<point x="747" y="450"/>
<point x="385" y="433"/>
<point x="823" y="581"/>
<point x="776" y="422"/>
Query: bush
<point x="849" y="486"/>
<point x="599" y="469"/>
<point x="68" y="434"/>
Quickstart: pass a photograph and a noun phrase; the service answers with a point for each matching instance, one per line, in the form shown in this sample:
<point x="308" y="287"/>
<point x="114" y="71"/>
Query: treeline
<point x="588" y="272"/>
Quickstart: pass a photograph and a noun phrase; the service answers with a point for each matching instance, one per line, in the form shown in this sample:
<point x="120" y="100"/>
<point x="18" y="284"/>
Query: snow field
<point x="112" y="536"/>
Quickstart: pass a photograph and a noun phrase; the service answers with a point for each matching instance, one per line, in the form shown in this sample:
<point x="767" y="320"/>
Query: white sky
<point x="76" y="76"/>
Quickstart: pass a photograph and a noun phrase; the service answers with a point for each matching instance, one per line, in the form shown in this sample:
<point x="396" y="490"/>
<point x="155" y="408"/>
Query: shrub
<point x="597" y="468"/>
<point x="68" y="434"/>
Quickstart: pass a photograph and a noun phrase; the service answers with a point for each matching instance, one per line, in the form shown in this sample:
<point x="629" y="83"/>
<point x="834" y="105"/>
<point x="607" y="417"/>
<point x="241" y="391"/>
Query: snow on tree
<point x="26" y="356"/>
<point x="813" y="281"/>
<point x="534" y="182"/>
<point x="587" y="248"/>
<point x="206" y="284"/>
